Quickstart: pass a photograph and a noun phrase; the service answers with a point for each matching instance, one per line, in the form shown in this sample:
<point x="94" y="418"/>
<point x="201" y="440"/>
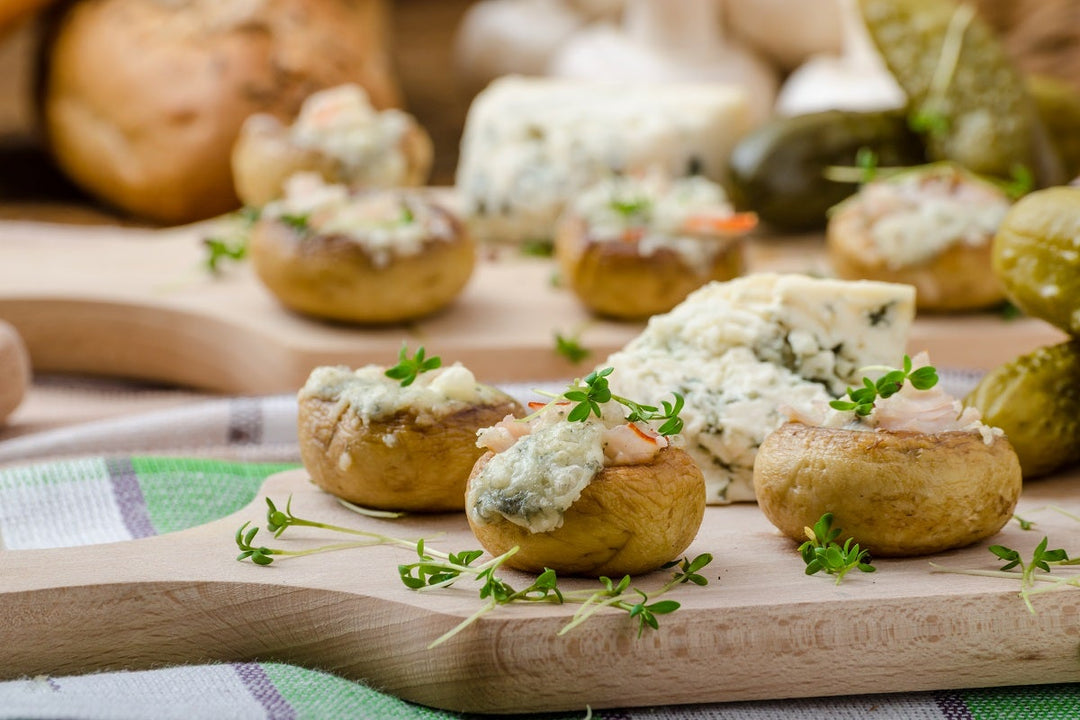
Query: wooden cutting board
<point x="760" y="629"/>
<point x="135" y="303"/>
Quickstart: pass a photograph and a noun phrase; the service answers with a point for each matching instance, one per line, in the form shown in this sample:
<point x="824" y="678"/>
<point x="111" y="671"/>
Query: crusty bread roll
<point x="13" y="11"/>
<point x="144" y="98"/>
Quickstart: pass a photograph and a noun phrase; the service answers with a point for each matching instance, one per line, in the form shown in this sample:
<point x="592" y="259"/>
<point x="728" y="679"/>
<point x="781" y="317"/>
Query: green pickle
<point x="778" y="170"/>
<point x="1058" y="105"/>
<point x="1035" y="399"/>
<point x="965" y="92"/>
<point x="1036" y="255"/>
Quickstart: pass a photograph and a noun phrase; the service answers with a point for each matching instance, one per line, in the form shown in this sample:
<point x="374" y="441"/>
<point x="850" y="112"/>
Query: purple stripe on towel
<point x="129" y="497"/>
<point x="952" y="706"/>
<point x="245" y="421"/>
<point x="263" y="690"/>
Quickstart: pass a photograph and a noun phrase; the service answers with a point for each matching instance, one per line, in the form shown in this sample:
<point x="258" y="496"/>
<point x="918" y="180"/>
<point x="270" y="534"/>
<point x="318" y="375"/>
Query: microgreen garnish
<point x="636" y="604"/>
<point x="1009" y="311"/>
<point x="1041" y="559"/>
<point x="297" y="221"/>
<point x="368" y="512"/>
<point x="863" y="398"/>
<point x="409" y="368"/>
<point x="822" y="552"/>
<point x="931" y="117"/>
<point x="538" y="248"/>
<point x="219" y="249"/>
<point x="435" y="570"/>
<point x="407" y="215"/>
<point x="1024" y="524"/>
<point x="589" y="394"/>
<point x="277" y="521"/>
<point x="570" y="347"/>
<point x="628" y="208"/>
<point x="231" y="241"/>
<point x="1021" y="181"/>
<point x="866" y="169"/>
<point x="1027" y="571"/>
<point x="927" y="120"/>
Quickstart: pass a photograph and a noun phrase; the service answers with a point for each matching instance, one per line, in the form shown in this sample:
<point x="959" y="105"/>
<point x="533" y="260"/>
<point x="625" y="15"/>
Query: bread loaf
<point x="144" y="98"/>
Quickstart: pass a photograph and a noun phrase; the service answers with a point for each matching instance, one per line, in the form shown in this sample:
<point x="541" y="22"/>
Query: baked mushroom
<point x="918" y="474"/>
<point x="632" y="247"/>
<point x="931" y="227"/>
<point x="365" y="257"/>
<point x="339" y="135"/>
<point x="593" y="495"/>
<point x="370" y="439"/>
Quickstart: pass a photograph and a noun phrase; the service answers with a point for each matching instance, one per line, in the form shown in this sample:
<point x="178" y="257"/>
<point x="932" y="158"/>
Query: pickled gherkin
<point x="1035" y="399"/>
<point x="1036" y="255"/>
<point x="965" y="92"/>
<point x="1058" y="105"/>
<point x="778" y="170"/>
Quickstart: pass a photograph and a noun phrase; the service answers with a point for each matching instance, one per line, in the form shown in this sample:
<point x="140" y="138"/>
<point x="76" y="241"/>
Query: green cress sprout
<point x="232" y="242"/>
<point x="588" y="394"/>
<point x="297" y="221"/>
<point x="863" y="399"/>
<point x="1027" y="571"/>
<point x="431" y="572"/>
<point x="408" y="368"/>
<point x="822" y="552"/>
<point x="570" y="347"/>
<point x="435" y="570"/>
<point x="632" y="207"/>
<point x="538" y="248"/>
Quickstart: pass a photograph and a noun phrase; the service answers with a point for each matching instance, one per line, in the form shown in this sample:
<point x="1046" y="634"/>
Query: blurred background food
<point x="113" y="101"/>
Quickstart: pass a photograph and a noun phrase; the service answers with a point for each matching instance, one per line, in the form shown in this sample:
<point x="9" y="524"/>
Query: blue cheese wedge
<point x="739" y="351"/>
<point x="530" y="144"/>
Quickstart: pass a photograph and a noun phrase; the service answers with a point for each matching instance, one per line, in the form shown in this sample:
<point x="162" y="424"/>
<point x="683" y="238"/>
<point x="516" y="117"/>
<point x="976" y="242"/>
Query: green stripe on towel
<point x="185" y="492"/>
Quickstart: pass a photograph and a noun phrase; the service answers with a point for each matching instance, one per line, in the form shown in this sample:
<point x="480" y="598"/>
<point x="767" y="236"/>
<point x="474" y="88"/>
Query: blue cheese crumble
<point x="738" y="351"/>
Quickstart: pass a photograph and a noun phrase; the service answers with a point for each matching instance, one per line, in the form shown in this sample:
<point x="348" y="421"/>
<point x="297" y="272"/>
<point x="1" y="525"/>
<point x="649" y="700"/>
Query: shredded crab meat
<point x="908" y="410"/>
<point x="624" y="443"/>
<point x="503" y="434"/>
<point x="631" y="444"/>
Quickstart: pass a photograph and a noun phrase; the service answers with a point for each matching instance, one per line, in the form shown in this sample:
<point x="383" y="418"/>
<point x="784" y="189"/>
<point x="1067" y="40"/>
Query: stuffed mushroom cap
<point x="376" y="257"/>
<point x="369" y="440"/>
<point x="932" y="227"/>
<point x="601" y="497"/>
<point x="630" y="247"/>
<point x="919" y="474"/>
<point x="337" y="134"/>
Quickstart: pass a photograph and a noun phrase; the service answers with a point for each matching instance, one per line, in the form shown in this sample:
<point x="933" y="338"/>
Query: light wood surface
<point x="135" y="303"/>
<point x="760" y="629"/>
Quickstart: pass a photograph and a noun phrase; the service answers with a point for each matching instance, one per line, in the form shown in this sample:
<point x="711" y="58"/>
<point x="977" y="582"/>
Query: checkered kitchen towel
<point x="123" y="495"/>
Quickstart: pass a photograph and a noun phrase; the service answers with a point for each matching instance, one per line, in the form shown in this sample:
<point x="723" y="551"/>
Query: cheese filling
<point x="386" y="224"/>
<point x="541" y="466"/>
<point x="341" y="123"/>
<point x="373" y="396"/>
<point x="916" y="216"/>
